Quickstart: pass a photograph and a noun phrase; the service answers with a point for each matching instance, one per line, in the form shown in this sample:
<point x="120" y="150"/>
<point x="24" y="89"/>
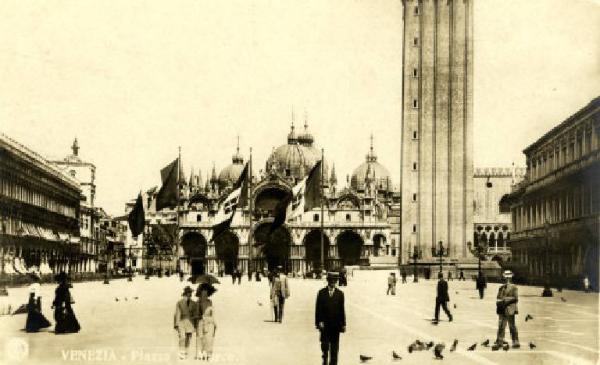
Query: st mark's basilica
<point x="361" y="217"/>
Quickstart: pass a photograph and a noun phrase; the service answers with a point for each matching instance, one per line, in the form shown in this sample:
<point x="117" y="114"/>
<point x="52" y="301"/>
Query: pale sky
<point x="133" y="80"/>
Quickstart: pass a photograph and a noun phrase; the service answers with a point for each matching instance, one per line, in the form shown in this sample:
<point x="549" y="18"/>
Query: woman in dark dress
<point x="35" y="318"/>
<point x="66" y="322"/>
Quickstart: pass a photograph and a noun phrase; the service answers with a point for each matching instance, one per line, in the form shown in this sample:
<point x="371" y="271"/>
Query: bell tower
<point x="437" y="126"/>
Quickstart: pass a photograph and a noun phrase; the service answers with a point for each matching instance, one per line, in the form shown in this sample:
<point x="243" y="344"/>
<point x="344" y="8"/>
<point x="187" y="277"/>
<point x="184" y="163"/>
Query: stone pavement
<point x="141" y="330"/>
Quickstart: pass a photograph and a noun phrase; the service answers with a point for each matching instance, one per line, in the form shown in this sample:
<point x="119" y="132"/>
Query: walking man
<point x="442" y="299"/>
<point x="280" y="291"/>
<point x="186" y="315"/>
<point x="330" y="319"/>
<point x="392" y="284"/>
<point x="506" y="308"/>
<point x="403" y="274"/>
<point x="481" y="284"/>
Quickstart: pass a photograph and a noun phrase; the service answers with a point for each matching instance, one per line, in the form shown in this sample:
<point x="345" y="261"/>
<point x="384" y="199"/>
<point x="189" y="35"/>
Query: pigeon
<point x="125" y="298"/>
<point x="454" y="305"/>
<point x="453" y="347"/>
<point x="563" y="299"/>
<point x="486" y="343"/>
<point x="136" y="298"/>
<point x="532" y="345"/>
<point x="116" y="299"/>
<point x="259" y="304"/>
<point x="457" y="292"/>
<point x="505" y="347"/>
<point x="437" y="351"/>
<point x="411" y="348"/>
<point x="364" y="358"/>
<point x="528" y="317"/>
<point x="395" y="356"/>
<point x="429" y="345"/>
<point x="472" y="347"/>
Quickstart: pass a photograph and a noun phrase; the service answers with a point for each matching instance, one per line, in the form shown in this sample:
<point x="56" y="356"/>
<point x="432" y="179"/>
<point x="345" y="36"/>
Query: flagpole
<point x="250" y="256"/>
<point x="177" y="264"/>
<point x="322" y="212"/>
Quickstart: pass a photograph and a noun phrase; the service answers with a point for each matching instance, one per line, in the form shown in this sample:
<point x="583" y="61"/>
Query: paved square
<point x="141" y="330"/>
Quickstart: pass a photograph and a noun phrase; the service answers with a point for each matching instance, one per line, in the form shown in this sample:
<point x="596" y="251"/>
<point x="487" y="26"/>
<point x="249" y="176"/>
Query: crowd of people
<point x="195" y="317"/>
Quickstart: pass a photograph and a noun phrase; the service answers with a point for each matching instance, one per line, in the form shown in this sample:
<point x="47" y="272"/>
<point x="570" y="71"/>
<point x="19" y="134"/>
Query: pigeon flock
<point x="438" y="348"/>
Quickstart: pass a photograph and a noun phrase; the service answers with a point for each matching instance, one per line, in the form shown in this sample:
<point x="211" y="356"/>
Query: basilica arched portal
<point x="349" y="245"/>
<point x="268" y="197"/>
<point x="227" y="246"/>
<point x="274" y="246"/>
<point x="312" y="246"/>
<point x="194" y="247"/>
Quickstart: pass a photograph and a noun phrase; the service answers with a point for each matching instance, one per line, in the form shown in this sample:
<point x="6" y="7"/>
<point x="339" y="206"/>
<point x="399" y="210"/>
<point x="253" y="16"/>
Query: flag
<point x="280" y="212"/>
<point x="305" y="196"/>
<point x="221" y="227"/>
<point x="237" y="197"/>
<point x="242" y="184"/>
<point x="137" y="218"/>
<point x="167" y="195"/>
<point x="312" y="189"/>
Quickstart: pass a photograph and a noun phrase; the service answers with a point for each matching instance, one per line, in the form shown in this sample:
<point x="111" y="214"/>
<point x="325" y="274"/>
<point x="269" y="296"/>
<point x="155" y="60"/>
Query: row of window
<point x="580" y="201"/>
<point x="560" y="155"/>
<point x="29" y="196"/>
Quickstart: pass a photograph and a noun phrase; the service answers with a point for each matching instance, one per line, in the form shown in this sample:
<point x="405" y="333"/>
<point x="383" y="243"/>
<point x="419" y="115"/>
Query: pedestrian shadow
<point x="269" y="320"/>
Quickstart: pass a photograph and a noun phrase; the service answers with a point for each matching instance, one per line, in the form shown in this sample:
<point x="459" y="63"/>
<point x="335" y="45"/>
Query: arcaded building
<point x="492" y="224"/>
<point x="39" y="215"/>
<point x="556" y="208"/>
<point x="360" y="215"/>
<point x="437" y="128"/>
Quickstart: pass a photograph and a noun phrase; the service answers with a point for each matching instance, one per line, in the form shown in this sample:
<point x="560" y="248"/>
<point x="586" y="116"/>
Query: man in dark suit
<point x="481" y="284"/>
<point x="330" y="318"/>
<point x="442" y="299"/>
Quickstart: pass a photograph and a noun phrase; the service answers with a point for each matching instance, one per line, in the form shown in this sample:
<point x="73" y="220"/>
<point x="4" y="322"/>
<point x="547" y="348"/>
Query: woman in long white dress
<point x="207" y="327"/>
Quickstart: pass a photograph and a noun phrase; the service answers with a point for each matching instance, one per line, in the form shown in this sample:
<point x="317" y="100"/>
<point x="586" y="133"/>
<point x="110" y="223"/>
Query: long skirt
<point x="205" y="336"/>
<point x="66" y="322"/>
<point x="36" y="321"/>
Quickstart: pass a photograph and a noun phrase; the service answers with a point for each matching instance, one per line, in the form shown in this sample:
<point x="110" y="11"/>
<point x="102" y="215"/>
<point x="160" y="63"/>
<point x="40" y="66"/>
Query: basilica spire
<point x="292" y="135"/>
<point x="371" y="156"/>
<point x="75" y="147"/>
<point x="237" y="157"/>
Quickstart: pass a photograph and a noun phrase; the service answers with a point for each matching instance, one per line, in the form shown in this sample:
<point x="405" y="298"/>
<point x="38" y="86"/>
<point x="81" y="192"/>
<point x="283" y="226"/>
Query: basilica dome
<point x="371" y="170"/>
<point x="294" y="159"/>
<point x="230" y="174"/>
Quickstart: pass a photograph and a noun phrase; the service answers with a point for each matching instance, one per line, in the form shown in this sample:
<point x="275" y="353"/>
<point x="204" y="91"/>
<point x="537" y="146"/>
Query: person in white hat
<point x="506" y="308"/>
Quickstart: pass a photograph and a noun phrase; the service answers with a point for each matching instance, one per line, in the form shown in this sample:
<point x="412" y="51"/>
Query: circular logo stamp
<point x="16" y="349"/>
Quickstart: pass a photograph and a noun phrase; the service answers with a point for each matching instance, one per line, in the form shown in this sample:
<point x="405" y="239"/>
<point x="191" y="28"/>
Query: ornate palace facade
<point x="492" y="224"/>
<point x="359" y="218"/>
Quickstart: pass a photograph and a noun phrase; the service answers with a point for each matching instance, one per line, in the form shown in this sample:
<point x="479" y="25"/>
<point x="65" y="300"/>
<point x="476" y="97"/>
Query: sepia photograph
<point x="298" y="182"/>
